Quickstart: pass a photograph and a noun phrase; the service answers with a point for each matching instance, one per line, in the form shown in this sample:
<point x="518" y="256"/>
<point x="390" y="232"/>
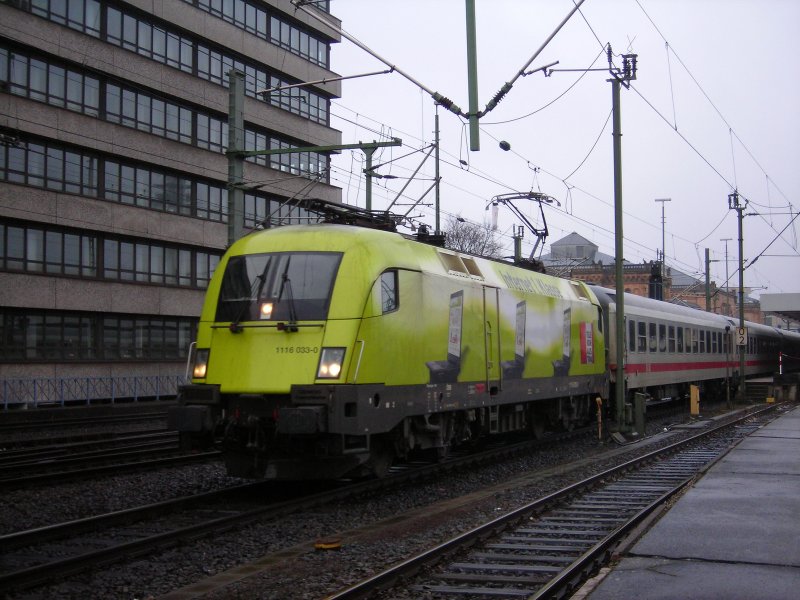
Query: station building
<point x="114" y="178"/>
<point x="576" y="257"/>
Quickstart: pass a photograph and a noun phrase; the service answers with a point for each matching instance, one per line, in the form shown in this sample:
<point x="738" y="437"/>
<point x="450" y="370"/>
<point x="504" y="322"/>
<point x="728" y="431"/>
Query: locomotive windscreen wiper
<point x="261" y="279"/>
<point x="286" y="283"/>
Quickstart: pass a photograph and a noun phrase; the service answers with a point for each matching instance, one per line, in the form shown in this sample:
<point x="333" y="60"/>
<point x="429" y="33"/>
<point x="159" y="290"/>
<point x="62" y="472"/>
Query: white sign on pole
<point x="741" y="336"/>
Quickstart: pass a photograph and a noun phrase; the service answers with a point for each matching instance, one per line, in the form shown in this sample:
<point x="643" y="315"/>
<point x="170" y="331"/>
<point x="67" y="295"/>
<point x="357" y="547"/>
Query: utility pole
<point x="727" y="278"/>
<point x="733" y="204"/>
<point x="235" y="157"/>
<point x="619" y="78"/>
<point x="708" y="280"/>
<point x="663" y="235"/>
<point x="472" y="77"/>
<point x="438" y="229"/>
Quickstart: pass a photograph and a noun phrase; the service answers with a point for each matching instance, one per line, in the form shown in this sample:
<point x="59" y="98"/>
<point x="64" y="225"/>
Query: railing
<point x="57" y="391"/>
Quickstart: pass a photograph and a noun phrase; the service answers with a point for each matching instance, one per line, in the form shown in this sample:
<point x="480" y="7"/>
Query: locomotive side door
<point x="491" y="325"/>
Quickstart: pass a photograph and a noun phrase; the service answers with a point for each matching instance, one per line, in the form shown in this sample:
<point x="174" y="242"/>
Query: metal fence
<point x="33" y="392"/>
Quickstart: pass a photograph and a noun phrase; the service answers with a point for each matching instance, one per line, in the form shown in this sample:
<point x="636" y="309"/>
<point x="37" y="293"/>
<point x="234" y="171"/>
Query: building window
<point x="65" y="168"/>
<point x="136" y="109"/>
<point x="253" y="18"/>
<point x="57" y="336"/>
<point x="131" y="33"/>
<point x="83" y="15"/>
<point x="35" y="249"/>
<point x="57" y="85"/>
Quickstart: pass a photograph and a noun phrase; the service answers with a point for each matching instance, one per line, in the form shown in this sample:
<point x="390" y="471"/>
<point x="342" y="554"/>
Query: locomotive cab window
<point x="390" y="299"/>
<point x="278" y="286"/>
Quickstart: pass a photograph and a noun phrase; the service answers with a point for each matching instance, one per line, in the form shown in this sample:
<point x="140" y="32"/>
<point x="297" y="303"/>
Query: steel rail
<point x="408" y="568"/>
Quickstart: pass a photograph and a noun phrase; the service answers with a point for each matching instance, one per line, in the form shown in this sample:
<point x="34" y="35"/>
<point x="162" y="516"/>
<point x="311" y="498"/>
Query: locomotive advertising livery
<point x="324" y="350"/>
<point x="330" y="350"/>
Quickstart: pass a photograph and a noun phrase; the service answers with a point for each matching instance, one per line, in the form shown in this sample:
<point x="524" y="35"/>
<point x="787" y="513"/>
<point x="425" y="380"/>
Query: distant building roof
<point x="575" y="250"/>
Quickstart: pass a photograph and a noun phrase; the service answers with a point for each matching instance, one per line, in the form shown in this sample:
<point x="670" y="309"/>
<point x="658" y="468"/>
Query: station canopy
<point x="784" y="305"/>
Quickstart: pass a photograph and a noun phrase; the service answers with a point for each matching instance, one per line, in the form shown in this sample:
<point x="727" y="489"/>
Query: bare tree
<point x="471" y="238"/>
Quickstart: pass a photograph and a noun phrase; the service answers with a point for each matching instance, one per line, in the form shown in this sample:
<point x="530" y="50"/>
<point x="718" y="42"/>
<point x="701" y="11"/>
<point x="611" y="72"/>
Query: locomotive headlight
<point x="266" y="310"/>
<point x="330" y="363"/>
<point x="200" y="363"/>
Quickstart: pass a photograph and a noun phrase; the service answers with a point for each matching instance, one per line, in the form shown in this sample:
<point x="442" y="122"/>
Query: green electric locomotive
<point x="330" y="350"/>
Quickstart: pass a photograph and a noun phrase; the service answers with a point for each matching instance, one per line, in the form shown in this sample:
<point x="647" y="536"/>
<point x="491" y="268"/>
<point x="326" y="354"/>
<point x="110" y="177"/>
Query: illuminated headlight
<point x="200" y="363"/>
<point x="266" y="310"/>
<point x="330" y="363"/>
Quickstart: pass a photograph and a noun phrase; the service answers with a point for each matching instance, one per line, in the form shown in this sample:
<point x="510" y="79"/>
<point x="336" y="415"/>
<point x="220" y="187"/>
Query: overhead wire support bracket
<point x="323" y="81"/>
<point x="521" y="73"/>
<point x="442" y="100"/>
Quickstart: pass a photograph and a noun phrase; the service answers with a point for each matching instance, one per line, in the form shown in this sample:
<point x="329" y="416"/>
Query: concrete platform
<point x="734" y="535"/>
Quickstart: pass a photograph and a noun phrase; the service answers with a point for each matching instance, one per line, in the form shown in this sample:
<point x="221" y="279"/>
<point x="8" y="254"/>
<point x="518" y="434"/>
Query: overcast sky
<point x="716" y="106"/>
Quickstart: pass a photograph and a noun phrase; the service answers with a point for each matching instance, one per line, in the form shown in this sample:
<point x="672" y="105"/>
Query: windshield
<point x="295" y="286"/>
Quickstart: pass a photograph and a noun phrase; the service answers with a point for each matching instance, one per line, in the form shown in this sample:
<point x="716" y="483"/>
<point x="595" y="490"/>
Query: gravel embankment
<point x="444" y="511"/>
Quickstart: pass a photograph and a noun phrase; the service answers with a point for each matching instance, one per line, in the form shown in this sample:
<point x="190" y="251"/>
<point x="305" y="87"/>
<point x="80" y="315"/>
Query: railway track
<point x="123" y="453"/>
<point x="27" y="558"/>
<point x="60" y="450"/>
<point x="37" y="556"/>
<point x="62" y="422"/>
<point x="95" y="543"/>
<point x="547" y="548"/>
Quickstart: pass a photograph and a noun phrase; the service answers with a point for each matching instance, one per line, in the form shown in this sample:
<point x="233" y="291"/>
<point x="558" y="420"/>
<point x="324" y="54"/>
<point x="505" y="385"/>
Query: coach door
<point x="491" y="324"/>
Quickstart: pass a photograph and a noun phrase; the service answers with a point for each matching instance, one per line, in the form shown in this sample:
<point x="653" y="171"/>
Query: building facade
<point x="113" y="173"/>
<point x="576" y="257"/>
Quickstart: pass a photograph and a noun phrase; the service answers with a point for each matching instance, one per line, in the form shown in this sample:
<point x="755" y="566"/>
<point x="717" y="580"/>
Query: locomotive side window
<point x="653" y="338"/>
<point x="680" y="338"/>
<point x="642" y="337"/>
<point x="390" y="300"/>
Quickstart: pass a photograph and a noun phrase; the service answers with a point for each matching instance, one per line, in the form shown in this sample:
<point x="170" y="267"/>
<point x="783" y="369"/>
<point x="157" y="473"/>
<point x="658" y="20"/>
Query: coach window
<point x="632" y="336"/>
<point x="653" y="337"/>
<point x="671" y="338"/>
<point x="702" y="346"/>
<point x="680" y="338"/>
<point x="662" y="338"/>
<point x="641" y="338"/>
<point x="389" y="296"/>
<point x="714" y="346"/>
